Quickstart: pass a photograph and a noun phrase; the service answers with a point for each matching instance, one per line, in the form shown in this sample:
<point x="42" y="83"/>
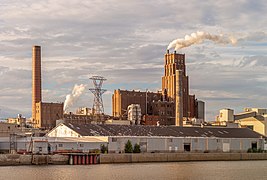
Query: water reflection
<point x="143" y="171"/>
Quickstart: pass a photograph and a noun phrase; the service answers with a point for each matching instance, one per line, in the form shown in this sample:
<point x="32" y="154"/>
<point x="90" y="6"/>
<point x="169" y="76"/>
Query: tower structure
<point x="174" y="62"/>
<point x="36" y="80"/>
<point x="98" y="108"/>
<point x="179" y="99"/>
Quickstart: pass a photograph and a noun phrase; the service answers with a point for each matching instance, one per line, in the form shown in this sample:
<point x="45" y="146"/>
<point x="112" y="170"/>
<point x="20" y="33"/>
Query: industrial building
<point x="164" y="110"/>
<point x="47" y="114"/>
<point x="252" y="118"/>
<point x="76" y="118"/>
<point x="134" y="113"/>
<point x="121" y="99"/>
<point x="21" y="121"/>
<point x="70" y="137"/>
<point x="44" y="115"/>
<point x="165" y="138"/>
<point x="8" y="128"/>
<point x="172" y="106"/>
<point x="174" y="62"/>
<point x="84" y="111"/>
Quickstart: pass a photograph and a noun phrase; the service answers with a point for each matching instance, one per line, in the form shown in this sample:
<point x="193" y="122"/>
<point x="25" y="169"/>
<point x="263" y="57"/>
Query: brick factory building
<point x="162" y="106"/>
<point x="164" y="111"/>
<point x="121" y="99"/>
<point x="47" y="114"/>
<point x="175" y="62"/>
<point x="44" y="115"/>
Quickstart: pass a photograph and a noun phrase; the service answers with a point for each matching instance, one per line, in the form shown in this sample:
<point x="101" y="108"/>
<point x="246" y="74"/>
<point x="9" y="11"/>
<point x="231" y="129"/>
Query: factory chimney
<point x="179" y="99"/>
<point x="36" y="79"/>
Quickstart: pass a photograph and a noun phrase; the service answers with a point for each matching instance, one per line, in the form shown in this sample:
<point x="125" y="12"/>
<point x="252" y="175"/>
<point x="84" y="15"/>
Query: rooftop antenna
<point x="98" y="108"/>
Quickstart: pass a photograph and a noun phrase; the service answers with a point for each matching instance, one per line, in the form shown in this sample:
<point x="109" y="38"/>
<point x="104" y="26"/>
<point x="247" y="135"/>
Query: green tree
<point x="128" y="147"/>
<point x="136" y="148"/>
<point x="103" y="149"/>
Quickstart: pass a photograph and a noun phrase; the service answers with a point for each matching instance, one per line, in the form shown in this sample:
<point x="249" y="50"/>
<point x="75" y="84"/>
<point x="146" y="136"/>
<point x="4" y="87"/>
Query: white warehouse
<point x="165" y="138"/>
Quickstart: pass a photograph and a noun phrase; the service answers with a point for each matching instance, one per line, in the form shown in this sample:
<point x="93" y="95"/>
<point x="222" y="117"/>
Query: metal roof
<point x="162" y="131"/>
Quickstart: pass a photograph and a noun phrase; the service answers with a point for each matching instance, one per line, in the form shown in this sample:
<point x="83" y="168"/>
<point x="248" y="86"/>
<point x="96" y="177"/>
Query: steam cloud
<point x="72" y="98"/>
<point x="199" y="37"/>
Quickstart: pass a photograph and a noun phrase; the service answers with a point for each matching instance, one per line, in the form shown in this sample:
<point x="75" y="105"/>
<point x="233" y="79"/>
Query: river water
<point x="156" y="171"/>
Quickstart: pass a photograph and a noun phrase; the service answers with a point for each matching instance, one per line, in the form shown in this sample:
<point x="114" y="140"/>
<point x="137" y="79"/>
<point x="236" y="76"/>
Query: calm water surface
<point x="178" y="170"/>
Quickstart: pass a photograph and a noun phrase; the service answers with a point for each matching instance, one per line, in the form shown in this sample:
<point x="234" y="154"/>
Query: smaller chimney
<point x="179" y="99"/>
<point x="174" y="52"/>
<point x="168" y="51"/>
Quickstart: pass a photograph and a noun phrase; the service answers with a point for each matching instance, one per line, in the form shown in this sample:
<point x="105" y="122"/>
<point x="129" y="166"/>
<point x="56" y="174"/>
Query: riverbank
<point x="57" y="159"/>
<point x="19" y="159"/>
<point x="179" y="157"/>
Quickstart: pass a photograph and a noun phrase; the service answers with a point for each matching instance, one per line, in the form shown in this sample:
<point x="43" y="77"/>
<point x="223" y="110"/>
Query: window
<point x="114" y="139"/>
<point x="60" y="145"/>
<point x="81" y="145"/>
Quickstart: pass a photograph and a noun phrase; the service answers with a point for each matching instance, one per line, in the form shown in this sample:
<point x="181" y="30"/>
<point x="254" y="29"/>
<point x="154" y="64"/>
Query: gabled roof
<point x="88" y="129"/>
<point x="166" y="131"/>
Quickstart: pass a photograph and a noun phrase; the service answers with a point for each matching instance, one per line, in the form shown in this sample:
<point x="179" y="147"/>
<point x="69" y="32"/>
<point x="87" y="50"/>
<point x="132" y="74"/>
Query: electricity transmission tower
<point x="98" y="108"/>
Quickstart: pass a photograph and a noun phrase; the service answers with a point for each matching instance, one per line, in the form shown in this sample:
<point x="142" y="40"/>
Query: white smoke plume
<point x="72" y="98"/>
<point x="199" y="37"/>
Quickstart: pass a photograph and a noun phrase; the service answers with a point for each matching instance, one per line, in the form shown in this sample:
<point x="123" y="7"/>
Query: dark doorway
<point x="49" y="149"/>
<point x="187" y="147"/>
<point x="254" y="145"/>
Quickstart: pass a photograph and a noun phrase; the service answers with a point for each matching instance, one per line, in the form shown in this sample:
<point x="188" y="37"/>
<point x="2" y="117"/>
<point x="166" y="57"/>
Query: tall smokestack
<point x="179" y="99"/>
<point x="36" y="79"/>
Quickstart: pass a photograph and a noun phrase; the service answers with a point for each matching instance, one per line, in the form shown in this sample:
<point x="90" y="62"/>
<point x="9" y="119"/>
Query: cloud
<point x="253" y="61"/>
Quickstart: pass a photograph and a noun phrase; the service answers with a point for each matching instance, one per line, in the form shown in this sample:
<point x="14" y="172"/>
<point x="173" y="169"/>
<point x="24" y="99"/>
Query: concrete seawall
<point x="179" y="157"/>
<point x="18" y="159"/>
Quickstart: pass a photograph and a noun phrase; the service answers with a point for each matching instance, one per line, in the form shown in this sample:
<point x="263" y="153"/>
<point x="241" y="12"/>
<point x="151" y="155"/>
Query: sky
<point x="125" y="41"/>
